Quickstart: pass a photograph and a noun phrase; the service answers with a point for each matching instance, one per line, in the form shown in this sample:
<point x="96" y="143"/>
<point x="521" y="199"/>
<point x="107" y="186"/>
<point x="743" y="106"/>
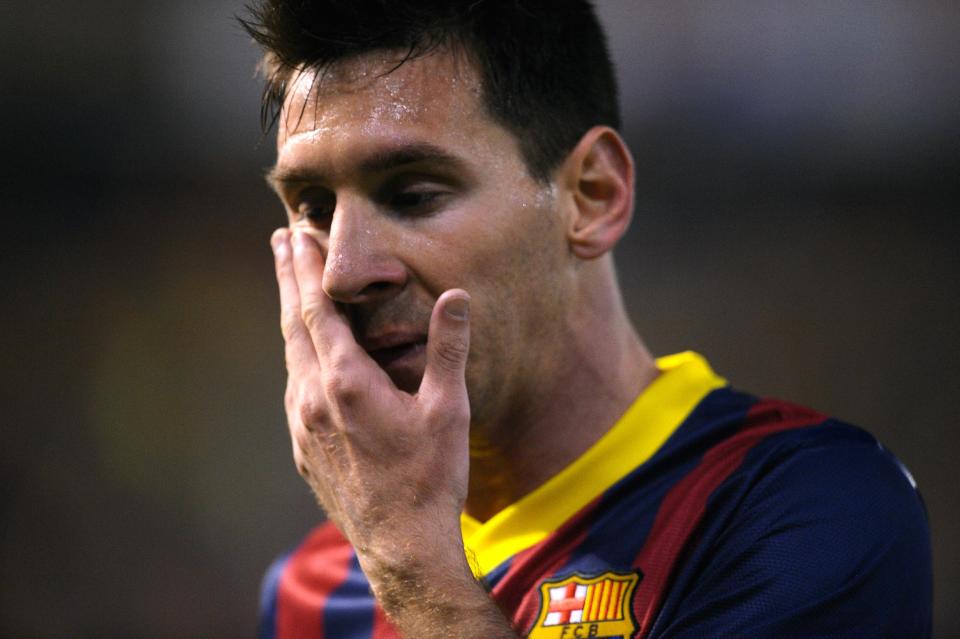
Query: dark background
<point x="796" y="222"/>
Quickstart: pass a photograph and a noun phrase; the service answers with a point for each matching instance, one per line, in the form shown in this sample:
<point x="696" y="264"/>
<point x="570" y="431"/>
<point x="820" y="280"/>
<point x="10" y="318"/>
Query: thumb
<point x="448" y="344"/>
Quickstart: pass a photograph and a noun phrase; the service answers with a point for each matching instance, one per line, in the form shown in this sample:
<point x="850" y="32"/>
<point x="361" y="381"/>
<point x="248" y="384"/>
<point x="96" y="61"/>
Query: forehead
<point x="438" y="94"/>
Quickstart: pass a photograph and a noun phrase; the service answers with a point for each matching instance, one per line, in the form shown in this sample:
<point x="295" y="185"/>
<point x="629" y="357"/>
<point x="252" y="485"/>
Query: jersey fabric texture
<point x="703" y="512"/>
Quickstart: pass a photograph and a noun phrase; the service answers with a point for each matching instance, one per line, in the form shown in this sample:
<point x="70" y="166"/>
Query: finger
<point x="328" y="328"/>
<point x="299" y="348"/>
<point x="448" y="345"/>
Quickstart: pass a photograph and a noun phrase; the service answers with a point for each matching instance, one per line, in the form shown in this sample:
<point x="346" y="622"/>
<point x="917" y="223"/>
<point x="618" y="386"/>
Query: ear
<point x="598" y="174"/>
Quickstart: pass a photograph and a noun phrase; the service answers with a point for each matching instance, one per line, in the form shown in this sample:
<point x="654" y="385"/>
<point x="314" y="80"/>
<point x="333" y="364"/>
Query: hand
<point x="390" y="468"/>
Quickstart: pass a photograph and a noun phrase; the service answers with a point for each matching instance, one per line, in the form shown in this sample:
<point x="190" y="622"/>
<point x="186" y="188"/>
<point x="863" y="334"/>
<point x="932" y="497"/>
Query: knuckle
<point x="333" y="383"/>
<point x="343" y="391"/>
<point x="301" y="441"/>
<point x="452" y="351"/>
<point x="337" y="365"/>
<point x="313" y="411"/>
<point x="310" y="314"/>
<point x="303" y="468"/>
<point x="341" y="382"/>
<point x="289" y="322"/>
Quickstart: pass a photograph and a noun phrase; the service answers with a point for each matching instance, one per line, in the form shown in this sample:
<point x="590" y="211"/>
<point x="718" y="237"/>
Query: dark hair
<point x="544" y="67"/>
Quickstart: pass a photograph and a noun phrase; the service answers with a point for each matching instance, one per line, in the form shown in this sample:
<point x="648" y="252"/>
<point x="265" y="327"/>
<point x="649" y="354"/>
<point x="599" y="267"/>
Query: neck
<point x="599" y="369"/>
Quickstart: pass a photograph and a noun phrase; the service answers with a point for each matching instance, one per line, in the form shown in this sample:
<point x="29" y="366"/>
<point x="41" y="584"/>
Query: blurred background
<point x="796" y="222"/>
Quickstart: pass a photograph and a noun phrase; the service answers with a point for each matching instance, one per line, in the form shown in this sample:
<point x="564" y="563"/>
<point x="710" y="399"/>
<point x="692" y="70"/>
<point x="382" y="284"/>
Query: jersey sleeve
<point x="267" y="627"/>
<point x="832" y="542"/>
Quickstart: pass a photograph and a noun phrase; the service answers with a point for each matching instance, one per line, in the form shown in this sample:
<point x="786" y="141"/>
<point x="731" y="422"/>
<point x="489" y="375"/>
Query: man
<point x="498" y="453"/>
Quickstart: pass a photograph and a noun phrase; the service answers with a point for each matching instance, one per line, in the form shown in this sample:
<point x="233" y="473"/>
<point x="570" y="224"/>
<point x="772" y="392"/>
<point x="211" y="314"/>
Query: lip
<point x="396" y="348"/>
<point x="391" y="339"/>
<point x="394" y="357"/>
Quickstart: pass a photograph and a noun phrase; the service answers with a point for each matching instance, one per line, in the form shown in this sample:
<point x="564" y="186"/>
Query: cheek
<point x="486" y="262"/>
<point x="502" y="243"/>
<point x="514" y="272"/>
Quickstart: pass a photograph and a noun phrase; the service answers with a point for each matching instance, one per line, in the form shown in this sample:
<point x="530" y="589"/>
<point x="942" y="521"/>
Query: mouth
<point x="388" y="356"/>
<point x="402" y="357"/>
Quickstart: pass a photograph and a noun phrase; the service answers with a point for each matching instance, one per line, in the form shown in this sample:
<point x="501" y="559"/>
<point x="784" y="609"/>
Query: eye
<point x="414" y="199"/>
<point x="317" y="210"/>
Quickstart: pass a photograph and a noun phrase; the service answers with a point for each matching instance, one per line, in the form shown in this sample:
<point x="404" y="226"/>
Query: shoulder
<point x="830" y="472"/>
<point x="784" y="458"/>
<point x="819" y="530"/>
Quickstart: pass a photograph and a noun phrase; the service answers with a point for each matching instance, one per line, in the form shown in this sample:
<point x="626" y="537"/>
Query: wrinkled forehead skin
<point x="436" y="98"/>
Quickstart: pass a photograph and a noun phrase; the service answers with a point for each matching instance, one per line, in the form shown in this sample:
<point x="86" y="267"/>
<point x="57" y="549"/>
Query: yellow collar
<point x="685" y="380"/>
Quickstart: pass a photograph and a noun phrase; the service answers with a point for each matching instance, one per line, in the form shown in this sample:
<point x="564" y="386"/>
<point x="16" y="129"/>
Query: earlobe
<point x="599" y="174"/>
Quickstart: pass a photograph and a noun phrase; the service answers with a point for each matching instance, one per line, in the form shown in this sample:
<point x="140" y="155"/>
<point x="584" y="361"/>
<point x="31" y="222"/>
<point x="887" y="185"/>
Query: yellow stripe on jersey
<point x="604" y="600"/>
<point x="612" y="612"/>
<point x="685" y="380"/>
<point x="587" y="604"/>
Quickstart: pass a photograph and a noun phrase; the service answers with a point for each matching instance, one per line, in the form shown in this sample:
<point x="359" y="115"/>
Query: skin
<point x="442" y="313"/>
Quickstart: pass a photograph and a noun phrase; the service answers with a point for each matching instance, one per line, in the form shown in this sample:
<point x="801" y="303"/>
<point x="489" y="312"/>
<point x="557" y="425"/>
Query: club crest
<point x="577" y="607"/>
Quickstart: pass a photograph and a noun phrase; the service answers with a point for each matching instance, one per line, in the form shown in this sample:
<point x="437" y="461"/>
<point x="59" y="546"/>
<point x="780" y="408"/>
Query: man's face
<point x="411" y="189"/>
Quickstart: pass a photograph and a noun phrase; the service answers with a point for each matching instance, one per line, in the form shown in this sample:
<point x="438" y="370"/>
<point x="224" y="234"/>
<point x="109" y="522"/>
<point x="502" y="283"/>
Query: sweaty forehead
<point x="375" y="90"/>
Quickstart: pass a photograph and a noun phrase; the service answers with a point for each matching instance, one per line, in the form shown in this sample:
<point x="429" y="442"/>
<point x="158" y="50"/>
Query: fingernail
<point x="458" y="308"/>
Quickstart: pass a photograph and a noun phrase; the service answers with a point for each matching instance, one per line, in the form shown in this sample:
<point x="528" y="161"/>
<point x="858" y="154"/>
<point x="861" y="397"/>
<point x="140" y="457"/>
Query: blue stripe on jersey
<point x="268" y="597"/>
<point x="628" y="508"/>
<point x="349" y="610"/>
<point x="495" y="575"/>
<point x="852" y="538"/>
<point x="716" y="418"/>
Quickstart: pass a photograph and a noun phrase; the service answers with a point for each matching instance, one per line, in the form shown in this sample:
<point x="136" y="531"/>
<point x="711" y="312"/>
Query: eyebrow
<point x="378" y="162"/>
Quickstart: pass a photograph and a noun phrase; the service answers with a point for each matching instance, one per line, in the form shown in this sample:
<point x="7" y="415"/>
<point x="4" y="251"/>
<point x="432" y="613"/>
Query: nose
<point x="362" y="262"/>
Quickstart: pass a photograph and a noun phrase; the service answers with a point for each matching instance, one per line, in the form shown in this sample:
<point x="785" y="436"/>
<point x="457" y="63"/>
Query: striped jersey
<point x="703" y="512"/>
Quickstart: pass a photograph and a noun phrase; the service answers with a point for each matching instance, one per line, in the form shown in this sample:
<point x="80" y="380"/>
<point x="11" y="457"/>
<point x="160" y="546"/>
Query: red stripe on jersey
<point x="382" y="629"/>
<point x="516" y="589"/>
<point x="317" y="568"/>
<point x="510" y="591"/>
<point x="684" y="504"/>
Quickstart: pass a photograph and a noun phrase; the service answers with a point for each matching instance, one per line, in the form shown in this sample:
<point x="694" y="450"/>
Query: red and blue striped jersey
<point x="703" y="512"/>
